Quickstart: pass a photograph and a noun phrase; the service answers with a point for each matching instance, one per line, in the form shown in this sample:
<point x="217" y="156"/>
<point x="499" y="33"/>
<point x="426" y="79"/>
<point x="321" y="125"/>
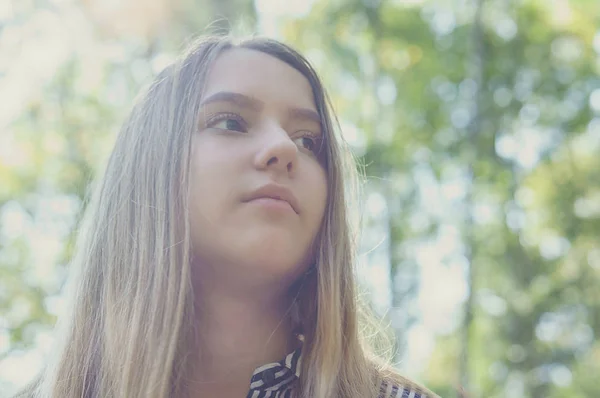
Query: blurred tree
<point x="507" y="149"/>
<point x="172" y="21"/>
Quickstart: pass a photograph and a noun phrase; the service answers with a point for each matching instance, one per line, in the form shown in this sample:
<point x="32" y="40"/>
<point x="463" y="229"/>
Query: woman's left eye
<point x="308" y="142"/>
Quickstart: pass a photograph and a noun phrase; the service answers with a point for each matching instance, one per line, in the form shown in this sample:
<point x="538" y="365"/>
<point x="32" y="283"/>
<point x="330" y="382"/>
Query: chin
<point x="280" y="257"/>
<point x="260" y="241"/>
<point x="273" y="255"/>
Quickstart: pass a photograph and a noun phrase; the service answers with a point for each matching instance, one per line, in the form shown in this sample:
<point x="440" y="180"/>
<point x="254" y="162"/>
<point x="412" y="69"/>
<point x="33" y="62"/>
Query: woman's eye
<point x="230" y="124"/>
<point x="307" y="142"/>
<point x="227" y="123"/>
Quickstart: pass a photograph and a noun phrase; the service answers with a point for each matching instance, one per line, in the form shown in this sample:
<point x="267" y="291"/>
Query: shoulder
<point x="397" y="386"/>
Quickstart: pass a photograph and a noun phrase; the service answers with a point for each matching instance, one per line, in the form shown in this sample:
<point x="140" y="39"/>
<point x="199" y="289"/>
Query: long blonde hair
<point x="131" y="318"/>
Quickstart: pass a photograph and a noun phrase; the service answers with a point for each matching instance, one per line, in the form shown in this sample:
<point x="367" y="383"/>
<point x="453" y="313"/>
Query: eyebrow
<point x="235" y="98"/>
<point x="245" y="101"/>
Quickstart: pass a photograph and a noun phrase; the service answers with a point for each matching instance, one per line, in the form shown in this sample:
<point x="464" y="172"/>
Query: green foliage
<point x="534" y="260"/>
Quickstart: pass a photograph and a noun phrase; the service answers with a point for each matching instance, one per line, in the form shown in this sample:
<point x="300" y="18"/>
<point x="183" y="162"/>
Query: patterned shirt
<point x="278" y="380"/>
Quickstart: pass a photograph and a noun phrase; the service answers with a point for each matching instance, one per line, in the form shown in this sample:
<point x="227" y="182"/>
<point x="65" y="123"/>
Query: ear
<point x="295" y="317"/>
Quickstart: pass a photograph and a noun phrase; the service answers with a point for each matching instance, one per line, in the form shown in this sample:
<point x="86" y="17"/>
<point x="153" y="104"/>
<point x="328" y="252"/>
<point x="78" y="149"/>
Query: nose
<point x="278" y="151"/>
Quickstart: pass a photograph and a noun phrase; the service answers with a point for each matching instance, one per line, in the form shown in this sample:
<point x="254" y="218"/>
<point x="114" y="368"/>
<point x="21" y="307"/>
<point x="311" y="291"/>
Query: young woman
<point x="216" y="258"/>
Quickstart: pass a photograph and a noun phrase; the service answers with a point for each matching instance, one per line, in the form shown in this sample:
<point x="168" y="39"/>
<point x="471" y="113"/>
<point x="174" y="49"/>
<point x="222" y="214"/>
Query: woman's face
<point x="258" y="184"/>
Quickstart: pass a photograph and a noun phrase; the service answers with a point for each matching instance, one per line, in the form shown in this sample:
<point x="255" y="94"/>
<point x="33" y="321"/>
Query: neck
<point x="239" y="332"/>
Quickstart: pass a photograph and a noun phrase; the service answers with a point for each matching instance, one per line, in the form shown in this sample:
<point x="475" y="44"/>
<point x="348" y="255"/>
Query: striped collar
<point x="277" y="379"/>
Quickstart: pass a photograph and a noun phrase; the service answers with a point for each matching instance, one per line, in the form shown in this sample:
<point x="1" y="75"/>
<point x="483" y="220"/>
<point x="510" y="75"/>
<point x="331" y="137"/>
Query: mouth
<point x="273" y="204"/>
<point x="274" y="196"/>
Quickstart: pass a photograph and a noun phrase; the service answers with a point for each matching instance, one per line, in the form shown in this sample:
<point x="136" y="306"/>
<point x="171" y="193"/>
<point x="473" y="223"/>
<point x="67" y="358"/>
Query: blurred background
<point x="477" y="124"/>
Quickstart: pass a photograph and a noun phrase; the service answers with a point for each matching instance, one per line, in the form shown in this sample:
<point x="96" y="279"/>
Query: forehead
<point x="259" y="75"/>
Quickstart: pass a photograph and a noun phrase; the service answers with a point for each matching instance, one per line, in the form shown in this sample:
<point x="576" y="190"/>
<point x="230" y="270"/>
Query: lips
<point x="274" y="191"/>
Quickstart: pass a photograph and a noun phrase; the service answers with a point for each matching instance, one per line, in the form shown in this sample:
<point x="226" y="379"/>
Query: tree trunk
<point x="474" y="128"/>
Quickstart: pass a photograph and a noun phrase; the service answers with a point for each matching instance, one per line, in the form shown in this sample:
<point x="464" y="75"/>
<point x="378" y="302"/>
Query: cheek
<point x="319" y="194"/>
<point x="206" y="184"/>
<point x="210" y="167"/>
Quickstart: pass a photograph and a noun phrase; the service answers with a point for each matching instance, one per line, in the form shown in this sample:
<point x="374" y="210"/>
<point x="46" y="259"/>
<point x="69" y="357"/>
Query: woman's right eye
<point x="229" y="122"/>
